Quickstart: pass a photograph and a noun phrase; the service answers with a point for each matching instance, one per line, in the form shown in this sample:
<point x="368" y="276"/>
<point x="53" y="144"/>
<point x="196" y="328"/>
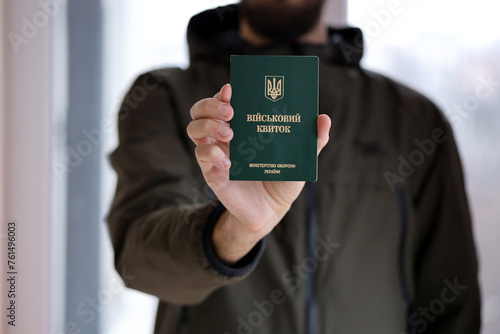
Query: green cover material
<point x="275" y="102"/>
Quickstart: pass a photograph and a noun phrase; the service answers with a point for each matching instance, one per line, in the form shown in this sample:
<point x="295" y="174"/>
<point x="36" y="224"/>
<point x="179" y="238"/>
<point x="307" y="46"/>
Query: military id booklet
<point x="275" y="102"/>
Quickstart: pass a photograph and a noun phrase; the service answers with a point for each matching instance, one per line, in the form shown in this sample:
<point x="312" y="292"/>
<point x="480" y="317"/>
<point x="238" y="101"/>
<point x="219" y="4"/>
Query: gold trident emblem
<point x="274" y="87"/>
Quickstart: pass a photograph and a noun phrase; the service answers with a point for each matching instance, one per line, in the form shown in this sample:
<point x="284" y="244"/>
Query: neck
<point x="317" y="35"/>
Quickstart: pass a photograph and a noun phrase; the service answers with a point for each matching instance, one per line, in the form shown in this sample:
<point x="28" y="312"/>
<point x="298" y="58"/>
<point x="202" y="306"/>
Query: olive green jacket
<point x="381" y="243"/>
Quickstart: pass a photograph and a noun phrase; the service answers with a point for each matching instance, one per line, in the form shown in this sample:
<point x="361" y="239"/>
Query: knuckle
<point x="189" y="129"/>
<point x="213" y="152"/>
<point x="192" y="111"/>
<point x="198" y="151"/>
<point x="206" y="152"/>
<point x="198" y="109"/>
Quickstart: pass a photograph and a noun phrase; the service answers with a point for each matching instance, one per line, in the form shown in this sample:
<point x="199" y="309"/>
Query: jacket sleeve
<point x="163" y="213"/>
<point x="447" y="292"/>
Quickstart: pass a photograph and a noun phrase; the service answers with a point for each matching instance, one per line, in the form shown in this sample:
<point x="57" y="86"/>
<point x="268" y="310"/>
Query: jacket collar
<point x="213" y="35"/>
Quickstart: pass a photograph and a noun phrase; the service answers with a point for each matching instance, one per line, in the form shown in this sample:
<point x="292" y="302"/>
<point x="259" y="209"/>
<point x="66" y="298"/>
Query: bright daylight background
<point x="442" y="48"/>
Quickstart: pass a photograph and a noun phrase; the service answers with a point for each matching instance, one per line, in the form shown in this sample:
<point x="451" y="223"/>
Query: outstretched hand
<point x="253" y="208"/>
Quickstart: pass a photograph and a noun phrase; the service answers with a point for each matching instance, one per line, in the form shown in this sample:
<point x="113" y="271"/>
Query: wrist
<point x="231" y="241"/>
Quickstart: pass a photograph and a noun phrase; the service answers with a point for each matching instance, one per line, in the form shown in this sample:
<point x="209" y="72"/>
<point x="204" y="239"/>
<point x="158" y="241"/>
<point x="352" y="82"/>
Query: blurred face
<point x="281" y="19"/>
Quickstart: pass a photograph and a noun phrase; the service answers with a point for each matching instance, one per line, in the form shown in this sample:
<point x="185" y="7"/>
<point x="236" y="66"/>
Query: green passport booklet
<point x="275" y="102"/>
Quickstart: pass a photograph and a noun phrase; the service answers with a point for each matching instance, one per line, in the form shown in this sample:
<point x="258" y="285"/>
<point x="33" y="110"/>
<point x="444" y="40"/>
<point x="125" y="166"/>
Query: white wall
<point x="27" y="184"/>
<point x="3" y="193"/>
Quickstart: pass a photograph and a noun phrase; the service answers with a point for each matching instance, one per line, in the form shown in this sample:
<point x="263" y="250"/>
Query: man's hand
<point x="254" y="208"/>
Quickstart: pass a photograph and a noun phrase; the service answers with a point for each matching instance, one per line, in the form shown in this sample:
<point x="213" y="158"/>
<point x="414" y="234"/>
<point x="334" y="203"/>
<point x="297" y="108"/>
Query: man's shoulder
<point x="397" y="91"/>
<point x="172" y="81"/>
<point x="403" y="102"/>
<point x="159" y="75"/>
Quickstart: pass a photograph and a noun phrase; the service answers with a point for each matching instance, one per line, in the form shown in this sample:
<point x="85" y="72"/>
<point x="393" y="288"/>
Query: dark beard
<point x="278" y="21"/>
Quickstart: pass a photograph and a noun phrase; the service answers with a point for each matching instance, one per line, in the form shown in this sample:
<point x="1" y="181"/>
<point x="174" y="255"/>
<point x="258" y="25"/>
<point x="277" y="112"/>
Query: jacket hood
<point x="213" y="35"/>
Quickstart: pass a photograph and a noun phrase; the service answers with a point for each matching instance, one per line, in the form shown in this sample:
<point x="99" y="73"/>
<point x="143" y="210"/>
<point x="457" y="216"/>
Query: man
<point x="382" y="243"/>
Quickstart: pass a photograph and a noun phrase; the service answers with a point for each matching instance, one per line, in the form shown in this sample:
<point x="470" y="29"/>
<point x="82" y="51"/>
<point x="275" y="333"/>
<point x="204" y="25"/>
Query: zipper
<point x="311" y="307"/>
<point x="403" y="215"/>
<point x="182" y="320"/>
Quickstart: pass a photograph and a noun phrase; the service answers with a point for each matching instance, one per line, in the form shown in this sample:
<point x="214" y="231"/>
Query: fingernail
<point x="224" y="109"/>
<point x="224" y="131"/>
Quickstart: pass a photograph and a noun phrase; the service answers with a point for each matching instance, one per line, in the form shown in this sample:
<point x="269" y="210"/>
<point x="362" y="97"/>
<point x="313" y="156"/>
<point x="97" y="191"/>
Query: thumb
<point x="324" y="125"/>
<point x="224" y="94"/>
